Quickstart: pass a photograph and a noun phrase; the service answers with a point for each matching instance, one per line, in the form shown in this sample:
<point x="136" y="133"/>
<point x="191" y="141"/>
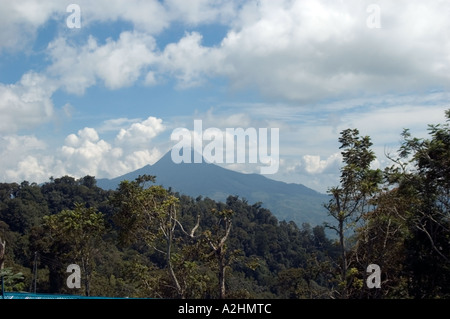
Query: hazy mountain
<point x="288" y="202"/>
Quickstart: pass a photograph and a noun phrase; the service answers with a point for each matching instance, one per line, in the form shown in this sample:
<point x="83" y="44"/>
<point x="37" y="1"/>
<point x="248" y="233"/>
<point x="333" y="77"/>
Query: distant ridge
<point x="290" y="202"/>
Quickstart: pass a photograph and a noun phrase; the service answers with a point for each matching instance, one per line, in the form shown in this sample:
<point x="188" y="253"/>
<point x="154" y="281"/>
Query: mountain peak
<point x="165" y="158"/>
<point x="194" y="158"/>
<point x="294" y="202"/>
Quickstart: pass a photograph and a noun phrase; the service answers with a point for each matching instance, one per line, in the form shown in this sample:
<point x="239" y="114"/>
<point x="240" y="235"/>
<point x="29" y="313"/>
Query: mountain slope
<point x="288" y="202"/>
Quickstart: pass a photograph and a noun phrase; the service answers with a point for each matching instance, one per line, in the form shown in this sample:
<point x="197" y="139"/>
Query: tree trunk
<point x="87" y="276"/>
<point x="343" y="256"/>
<point x="222" y="268"/>
<point x="169" y="265"/>
<point x="2" y="253"/>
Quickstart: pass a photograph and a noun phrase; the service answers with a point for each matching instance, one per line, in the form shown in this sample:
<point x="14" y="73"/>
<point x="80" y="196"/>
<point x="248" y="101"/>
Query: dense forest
<point x="142" y="240"/>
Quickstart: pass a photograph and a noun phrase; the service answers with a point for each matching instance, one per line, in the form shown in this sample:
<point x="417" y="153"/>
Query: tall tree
<point x="149" y="214"/>
<point x="422" y="175"/>
<point x="81" y="231"/>
<point x="217" y="239"/>
<point x="381" y="240"/>
<point x="358" y="183"/>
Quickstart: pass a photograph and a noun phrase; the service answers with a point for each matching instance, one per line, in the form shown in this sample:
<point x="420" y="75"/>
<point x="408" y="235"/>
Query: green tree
<point x="216" y="239"/>
<point x="8" y="279"/>
<point x="22" y="206"/>
<point x="350" y="200"/>
<point x="381" y="240"/>
<point x="11" y="281"/>
<point x="150" y="215"/>
<point x="80" y="231"/>
<point x="421" y="173"/>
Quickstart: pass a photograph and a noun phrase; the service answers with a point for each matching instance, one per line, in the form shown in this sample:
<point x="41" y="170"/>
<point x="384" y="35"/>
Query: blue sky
<point x="103" y="99"/>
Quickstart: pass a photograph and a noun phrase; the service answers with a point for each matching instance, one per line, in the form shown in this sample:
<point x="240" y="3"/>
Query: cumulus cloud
<point x="26" y="103"/>
<point x="140" y="133"/>
<point x="313" y="164"/>
<point x="83" y="153"/>
<point x="30" y="168"/>
<point x="116" y="64"/>
<point x="294" y="50"/>
<point x="310" y="50"/>
<point x="17" y="145"/>
<point x="20" y="21"/>
<point x="16" y="158"/>
<point x="86" y="153"/>
<point x="298" y="51"/>
<point x="190" y="62"/>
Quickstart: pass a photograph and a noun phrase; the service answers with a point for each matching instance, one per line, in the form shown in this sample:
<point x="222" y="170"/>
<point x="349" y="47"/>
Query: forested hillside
<point x="67" y="221"/>
<point x="142" y="240"/>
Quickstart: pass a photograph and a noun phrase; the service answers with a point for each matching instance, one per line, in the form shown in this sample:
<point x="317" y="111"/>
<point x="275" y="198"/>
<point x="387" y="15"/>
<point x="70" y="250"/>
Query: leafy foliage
<point x="120" y="238"/>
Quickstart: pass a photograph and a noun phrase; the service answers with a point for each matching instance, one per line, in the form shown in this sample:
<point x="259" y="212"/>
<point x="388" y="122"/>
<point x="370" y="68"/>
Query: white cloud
<point x="313" y="164"/>
<point x="146" y="15"/>
<point x="116" y="63"/>
<point x="16" y="160"/>
<point x="310" y="50"/>
<point x="317" y="172"/>
<point x="189" y="61"/>
<point x="86" y="153"/>
<point x="27" y="103"/>
<point x="294" y="50"/>
<point x="307" y="51"/>
<point x="20" y="21"/>
<point x="195" y="12"/>
<point x="29" y="169"/>
<point x="298" y="51"/>
<point x="83" y="153"/>
<point x="17" y="145"/>
<point x="140" y="133"/>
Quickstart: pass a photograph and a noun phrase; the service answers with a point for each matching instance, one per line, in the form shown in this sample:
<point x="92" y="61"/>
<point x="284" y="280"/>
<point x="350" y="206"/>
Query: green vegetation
<point x="142" y="240"/>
